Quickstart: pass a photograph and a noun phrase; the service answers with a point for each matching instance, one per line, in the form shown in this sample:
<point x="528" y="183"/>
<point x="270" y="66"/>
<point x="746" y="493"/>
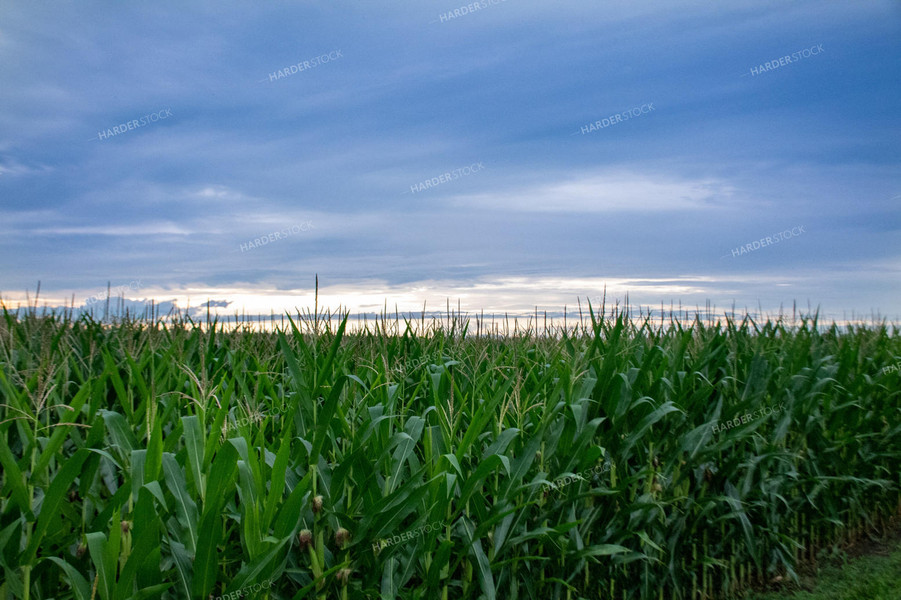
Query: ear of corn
<point x="144" y="459"/>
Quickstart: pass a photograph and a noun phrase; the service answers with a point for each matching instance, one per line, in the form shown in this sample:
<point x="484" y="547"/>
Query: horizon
<point x="318" y="316"/>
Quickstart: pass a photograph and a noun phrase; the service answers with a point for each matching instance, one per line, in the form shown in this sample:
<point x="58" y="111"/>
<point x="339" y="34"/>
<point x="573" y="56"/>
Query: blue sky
<point x="329" y="156"/>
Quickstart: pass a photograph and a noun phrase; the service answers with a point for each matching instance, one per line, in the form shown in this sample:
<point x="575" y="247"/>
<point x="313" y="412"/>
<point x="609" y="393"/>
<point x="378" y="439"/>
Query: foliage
<point x="151" y="459"/>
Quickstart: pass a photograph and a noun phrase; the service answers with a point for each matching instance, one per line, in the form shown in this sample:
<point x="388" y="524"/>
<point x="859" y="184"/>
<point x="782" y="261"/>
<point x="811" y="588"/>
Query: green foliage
<point x="864" y="578"/>
<point x="144" y="459"/>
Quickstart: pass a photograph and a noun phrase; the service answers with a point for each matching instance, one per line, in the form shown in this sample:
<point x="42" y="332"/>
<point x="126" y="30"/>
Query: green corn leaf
<point x="194" y="442"/>
<point x="185" y="507"/>
<point x="323" y="426"/>
<point x="14" y="480"/>
<point x="183" y="567"/>
<point x="154" y="460"/>
<point x="57" y="491"/>
<point x="278" y="480"/>
<point x="112" y="371"/>
<point x="120" y="432"/>
<point x="140" y="565"/>
<point x="486" y="579"/>
<point x="98" y="548"/>
<point x="265" y="567"/>
<point x="78" y="583"/>
<point x="60" y="433"/>
<point x="221" y="482"/>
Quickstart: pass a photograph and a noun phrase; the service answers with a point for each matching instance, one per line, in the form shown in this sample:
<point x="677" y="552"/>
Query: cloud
<point x="216" y="304"/>
<point x="330" y="154"/>
<point x="615" y="191"/>
<point x="161" y="228"/>
<point x="10" y="167"/>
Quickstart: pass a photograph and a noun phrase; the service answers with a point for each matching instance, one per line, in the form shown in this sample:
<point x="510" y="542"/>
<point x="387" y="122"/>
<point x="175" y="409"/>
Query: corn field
<point x="623" y="458"/>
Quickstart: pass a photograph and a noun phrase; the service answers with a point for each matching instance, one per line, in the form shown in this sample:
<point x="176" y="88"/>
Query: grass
<point x="869" y="577"/>
<point x="150" y="459"/>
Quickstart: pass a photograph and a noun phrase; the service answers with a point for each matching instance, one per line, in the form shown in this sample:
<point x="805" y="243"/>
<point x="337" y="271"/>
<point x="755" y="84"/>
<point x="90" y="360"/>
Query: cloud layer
<point x="631" y="146"/>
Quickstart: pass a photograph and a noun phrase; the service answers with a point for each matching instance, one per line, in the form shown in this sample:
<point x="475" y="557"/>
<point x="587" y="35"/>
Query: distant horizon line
<point x="198" y="315"/>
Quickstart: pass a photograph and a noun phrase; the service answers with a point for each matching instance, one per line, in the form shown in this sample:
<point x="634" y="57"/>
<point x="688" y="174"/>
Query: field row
<point x="625" y="460"/>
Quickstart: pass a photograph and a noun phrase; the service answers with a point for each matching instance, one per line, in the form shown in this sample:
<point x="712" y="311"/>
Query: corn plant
<point x="161" y="458"/>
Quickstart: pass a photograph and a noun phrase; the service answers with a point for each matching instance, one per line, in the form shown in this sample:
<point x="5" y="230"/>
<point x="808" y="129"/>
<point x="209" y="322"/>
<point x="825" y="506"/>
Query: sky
<point x="505" y="155"/>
